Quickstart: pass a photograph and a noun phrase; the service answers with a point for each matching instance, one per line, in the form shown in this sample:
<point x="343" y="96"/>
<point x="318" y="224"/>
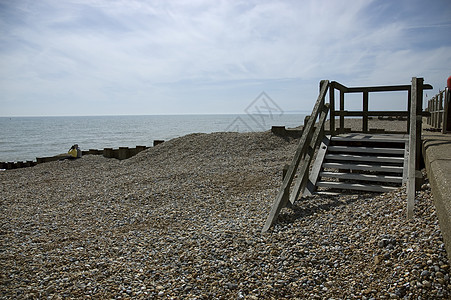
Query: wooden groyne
<point x="440" y="116"/>
<point x="120" y="153"/>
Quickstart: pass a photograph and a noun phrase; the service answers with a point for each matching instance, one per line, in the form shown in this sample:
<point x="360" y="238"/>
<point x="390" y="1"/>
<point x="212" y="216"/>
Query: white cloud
<point x="156" y="52"/>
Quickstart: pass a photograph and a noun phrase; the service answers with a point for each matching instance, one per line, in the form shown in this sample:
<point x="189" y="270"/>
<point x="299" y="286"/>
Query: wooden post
<point x="157" y="142"/>
<point x="409" y="103"/>
<point x="342" y="109"/>
<point x="414" y="141"/>
<point x="108" y="152"/>
<point x="365" y="111"/>
<point x="332" y="108"/>
<point x="436" y="113"/>
<point x="440" y="113"/>
<point x="446" y="112"/>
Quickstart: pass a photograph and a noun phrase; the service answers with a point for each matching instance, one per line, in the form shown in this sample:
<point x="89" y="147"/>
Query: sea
<point x="25" y="138"/>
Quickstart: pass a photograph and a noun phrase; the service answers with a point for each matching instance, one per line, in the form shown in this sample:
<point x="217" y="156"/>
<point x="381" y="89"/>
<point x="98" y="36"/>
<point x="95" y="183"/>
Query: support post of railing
<point x="441" y="113"/>
<point x="342" y="108"/>
<point x="414" y="141"/>
<point x="365" y="111"/>
<point x="332" y="108"/>
<point x="446" y="112"/>
<point x="409" y="104"/>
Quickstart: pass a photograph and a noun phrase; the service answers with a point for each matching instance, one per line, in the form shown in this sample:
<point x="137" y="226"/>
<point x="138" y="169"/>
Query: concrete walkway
<point x="437" y="156"/>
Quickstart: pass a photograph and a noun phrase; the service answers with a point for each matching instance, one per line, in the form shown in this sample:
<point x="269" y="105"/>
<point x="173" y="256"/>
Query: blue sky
<point x="99" y="57"/>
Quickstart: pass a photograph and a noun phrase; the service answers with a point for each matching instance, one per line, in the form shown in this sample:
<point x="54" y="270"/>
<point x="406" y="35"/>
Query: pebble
<point x="183" y="220"/>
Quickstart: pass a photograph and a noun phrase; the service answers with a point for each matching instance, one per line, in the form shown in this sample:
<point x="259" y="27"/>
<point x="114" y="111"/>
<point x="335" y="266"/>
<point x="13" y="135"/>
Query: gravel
<point x="183" y="220"/>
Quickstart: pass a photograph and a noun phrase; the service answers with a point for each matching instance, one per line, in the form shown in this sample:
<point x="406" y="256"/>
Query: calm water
<point x="25" y="138"/>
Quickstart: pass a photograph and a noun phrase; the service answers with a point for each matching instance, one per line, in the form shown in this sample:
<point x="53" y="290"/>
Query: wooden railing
<point x="438" y="107"/>
<point x="365" y="113"/>
<point x="312" y="135"/>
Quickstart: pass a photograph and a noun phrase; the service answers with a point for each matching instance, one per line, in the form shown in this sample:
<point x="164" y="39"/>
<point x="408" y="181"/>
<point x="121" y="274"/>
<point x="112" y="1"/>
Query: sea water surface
<point x="25" y="138"/>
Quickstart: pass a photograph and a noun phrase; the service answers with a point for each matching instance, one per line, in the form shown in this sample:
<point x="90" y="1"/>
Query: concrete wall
<point x="437" y="156"/>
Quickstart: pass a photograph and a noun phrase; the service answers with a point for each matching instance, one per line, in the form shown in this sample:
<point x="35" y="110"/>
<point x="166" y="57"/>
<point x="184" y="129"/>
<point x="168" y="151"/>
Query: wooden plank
<point x="300" y="151"/>
<point x="367" y="138"/>
<point x="365" y="112"/>
<point x="362" y="177"/>
<point x="350" y="149"/>
<point x="317" y="165"/>
<point x="342" y="107"/>
<point x="359" y="113"/>
<point x="387" y="88"/>
<point x="363" y="167"/>
<point x="414" y="142"/>
<point x="356" y="186"/>
<point x="364" y="158"/>
<point x="304" y="170"/>
<point x="445" y="113"/>
<point x="332" y="108"/>
<point x="405" y="168"/>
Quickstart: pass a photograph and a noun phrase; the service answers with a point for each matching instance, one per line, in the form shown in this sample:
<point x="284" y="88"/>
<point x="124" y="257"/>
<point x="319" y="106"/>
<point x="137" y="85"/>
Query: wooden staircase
<point x="359" y="162"/>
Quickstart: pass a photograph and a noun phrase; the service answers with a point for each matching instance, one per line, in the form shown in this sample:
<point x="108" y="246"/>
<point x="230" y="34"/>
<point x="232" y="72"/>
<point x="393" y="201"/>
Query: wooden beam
<point x="317" y="165"/>
<point x="332" y="108"/>
<point x="372" y="89"/>
<point x="342" y="108"/>
<point x="414" y="141"/>
<point x="374" y="113"/>
<point x="365" y="112"/>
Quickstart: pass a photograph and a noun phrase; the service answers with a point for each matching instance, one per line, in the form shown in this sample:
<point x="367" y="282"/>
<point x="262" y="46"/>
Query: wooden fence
<point x="438" y="108"/>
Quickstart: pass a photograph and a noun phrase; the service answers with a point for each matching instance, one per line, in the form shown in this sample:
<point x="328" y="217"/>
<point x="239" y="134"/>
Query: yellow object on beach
<point x="73" y="152"/>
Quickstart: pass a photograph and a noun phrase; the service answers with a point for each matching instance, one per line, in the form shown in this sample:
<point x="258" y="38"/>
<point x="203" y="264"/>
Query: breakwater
<point x="119" y="153"/>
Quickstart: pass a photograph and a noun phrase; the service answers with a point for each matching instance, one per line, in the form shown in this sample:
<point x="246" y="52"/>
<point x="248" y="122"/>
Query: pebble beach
<point x="183" y="220"/>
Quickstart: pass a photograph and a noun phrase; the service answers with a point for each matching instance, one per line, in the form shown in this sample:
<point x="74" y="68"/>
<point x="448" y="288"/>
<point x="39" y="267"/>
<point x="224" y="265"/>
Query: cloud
<point x="185" y="56"/>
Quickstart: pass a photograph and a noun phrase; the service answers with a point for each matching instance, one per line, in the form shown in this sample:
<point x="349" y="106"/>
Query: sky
<point x="136" y="57"/>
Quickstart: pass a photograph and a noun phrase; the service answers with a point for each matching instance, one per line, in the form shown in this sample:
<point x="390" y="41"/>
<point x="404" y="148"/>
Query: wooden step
<point x="363" y="167"/>
<point x="369" y="139"/>
<point x="363" y="177"/>
<point x="349" y="149"/>
<point x="375" y="159"/>
<point x="356" y="186"/>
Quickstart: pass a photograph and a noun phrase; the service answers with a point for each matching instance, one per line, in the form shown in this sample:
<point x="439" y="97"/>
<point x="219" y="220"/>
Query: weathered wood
<point x="374" y="113"/>
<point x="286" y="194"/>
<point x="362" y="177"/>
<point x="414" y="142"/>
<point x="304" y="170"/>
<point x="332" y="108"/>
<point x="350" y="149"/>
<point x="365" y="112"/>
<point x="363" y="167"/>
<point x="342" y="108"/>
<point x="371" y="89"/>
<point x="300" y="152"/>
<point x="374" y="159"/>
<point x="446" y="112"/>
<point x="370" y="138"/>
<point x="317" y="165"/>
<point x="405" y="169"/>
<point x="356" y="186"/>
